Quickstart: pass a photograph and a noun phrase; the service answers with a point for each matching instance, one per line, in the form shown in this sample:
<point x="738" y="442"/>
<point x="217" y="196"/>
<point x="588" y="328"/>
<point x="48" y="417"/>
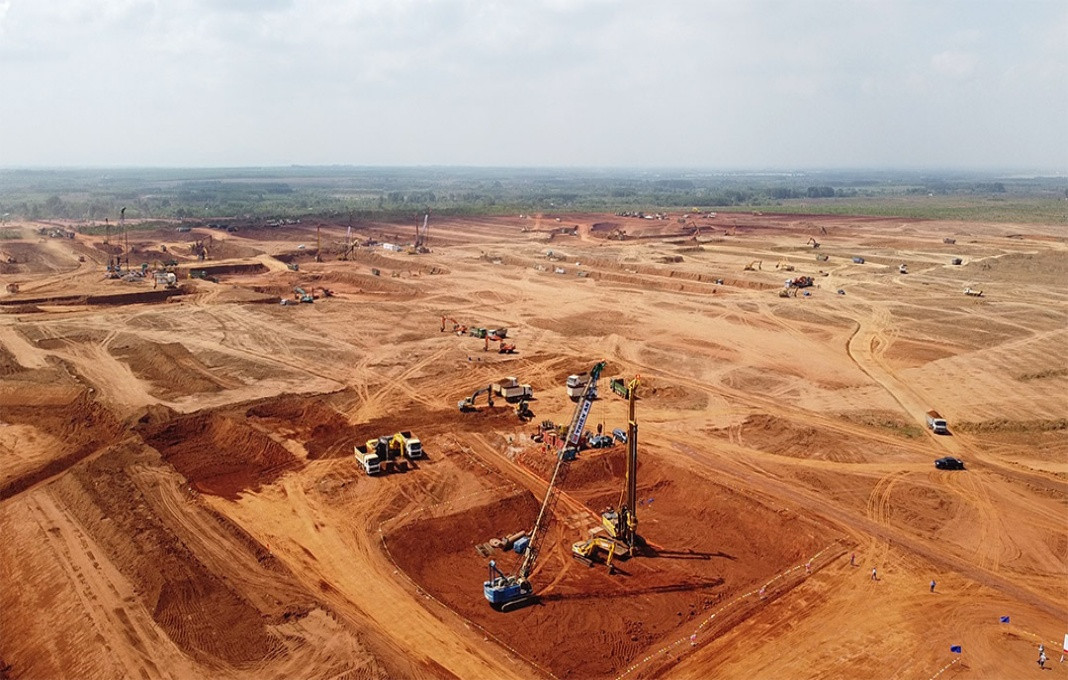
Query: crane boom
<point x="503" y="590"/>
<point x="564" y="456"/>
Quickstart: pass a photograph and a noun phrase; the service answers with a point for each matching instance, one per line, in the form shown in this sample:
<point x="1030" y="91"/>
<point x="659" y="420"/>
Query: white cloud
<point x="595" y="82"/>
<point x="954" y="63"/>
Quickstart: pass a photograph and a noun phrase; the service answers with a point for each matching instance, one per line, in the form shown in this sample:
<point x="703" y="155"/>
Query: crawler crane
<point x="507" y="592"/>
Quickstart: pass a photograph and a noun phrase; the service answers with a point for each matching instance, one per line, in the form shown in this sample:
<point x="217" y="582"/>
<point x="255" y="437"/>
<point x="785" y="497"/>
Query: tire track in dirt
<point x="105" y="596"/>
<point x="879" y="509"/>
<point x="367" y="411"/>
<point x="863" y="527"/>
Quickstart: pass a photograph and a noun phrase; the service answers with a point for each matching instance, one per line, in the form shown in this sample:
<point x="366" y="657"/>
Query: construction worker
<point x="1042" y="660"/>
<point x="853" y="560"/>
<point x="932" y="585"/>
<point x="874" y="574"/>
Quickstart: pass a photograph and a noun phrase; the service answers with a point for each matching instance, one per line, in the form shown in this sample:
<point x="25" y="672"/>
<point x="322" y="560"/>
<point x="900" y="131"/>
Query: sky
<point x="739" y="84"/>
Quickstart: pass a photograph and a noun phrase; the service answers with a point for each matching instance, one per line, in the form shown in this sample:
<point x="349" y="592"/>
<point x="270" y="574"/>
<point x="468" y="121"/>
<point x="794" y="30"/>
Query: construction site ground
<point x="179" y="496"/>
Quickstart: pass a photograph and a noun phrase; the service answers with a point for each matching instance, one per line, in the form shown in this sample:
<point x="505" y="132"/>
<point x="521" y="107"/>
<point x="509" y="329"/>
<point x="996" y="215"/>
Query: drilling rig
<point x="620" y="523"/>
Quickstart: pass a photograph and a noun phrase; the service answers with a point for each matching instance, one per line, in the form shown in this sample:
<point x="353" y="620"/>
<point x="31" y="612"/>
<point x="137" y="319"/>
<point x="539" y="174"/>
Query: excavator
<point x="814" y="242"/>
<point x="502" y="347"/>
<point x="467" y="404"/>
<point x="621" y="523"/>
<point x="457" y="327"/>
<point x="506" y="592"/>
<point x="784" y="265"/>
<point x="753" y="266"/>
<point x="303" y="295"/>
<point x="522" y="410"/>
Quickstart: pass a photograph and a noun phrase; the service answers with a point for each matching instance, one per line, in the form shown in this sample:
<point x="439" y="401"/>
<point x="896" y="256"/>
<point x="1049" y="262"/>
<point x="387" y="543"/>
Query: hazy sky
<point x="706" y="83"/>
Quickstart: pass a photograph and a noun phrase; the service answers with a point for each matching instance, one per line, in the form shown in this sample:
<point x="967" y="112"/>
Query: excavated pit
<point x="707" y="543"/>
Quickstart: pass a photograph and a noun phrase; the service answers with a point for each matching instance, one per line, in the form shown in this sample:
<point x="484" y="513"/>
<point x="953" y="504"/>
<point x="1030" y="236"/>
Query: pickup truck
<point x="937" y="423"/>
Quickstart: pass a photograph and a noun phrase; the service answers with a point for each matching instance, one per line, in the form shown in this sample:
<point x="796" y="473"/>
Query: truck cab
<point x="511" y="390"/>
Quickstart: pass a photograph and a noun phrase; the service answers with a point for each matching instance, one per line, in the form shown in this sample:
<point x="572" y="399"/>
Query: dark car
<point x="949" y="463"/>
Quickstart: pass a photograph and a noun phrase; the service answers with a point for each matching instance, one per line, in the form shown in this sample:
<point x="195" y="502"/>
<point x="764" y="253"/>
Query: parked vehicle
<point x="949" y="463"/>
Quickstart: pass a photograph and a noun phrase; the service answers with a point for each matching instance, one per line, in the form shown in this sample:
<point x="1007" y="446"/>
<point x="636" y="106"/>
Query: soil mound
<point x="327" y="434"/>
<point x="220" y="455"/>
<point x="196" y="608"/>
<point x="172" y="369"/>
<point x="80" y="422"/>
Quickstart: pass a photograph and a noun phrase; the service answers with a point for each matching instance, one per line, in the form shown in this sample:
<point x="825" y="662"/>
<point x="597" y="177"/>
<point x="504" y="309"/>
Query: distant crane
<point x="125" y="236"/>
<point x="422" y="238"/>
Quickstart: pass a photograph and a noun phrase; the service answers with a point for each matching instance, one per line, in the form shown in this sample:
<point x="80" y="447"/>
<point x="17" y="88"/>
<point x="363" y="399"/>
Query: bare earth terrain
<point x="179" y="497"/>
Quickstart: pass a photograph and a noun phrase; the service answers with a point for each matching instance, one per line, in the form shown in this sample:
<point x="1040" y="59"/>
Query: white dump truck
<point x="937" y="423"/>
<point x="368" y="459"/>
<point x="511" y="390"/>
<point x="413" y="448"/>
<point x="576" y="385"/>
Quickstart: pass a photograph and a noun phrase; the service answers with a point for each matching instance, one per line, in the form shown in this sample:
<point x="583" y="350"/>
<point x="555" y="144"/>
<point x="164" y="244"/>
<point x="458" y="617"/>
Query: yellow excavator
<point x="619" y="530"/>
<point x="468" y="403"/>
<point x="753" y="266"/>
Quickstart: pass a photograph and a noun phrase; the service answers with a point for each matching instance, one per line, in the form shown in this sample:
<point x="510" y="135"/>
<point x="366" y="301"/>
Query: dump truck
<point x="576" y="385"/>
<point x="413" y="448"/>
<point x="619" y="386"/>
<point x="937" y="423"/>
<point x="368" y="459"/>
<point x="511" y="390"/>
<point x="387" y="452"/>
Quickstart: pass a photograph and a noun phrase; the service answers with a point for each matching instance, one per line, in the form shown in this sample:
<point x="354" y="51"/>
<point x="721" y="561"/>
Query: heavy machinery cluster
<point x="510" y="591"/>
<point x="508" y="389"/>
<point x="488" y="335"/>
<point x="616" y="538"/>
<point x="389" y="454"/>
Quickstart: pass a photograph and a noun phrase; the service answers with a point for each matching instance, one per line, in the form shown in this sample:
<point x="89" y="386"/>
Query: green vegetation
<point x="889" y="422"/>
<point x="8" y="234"/>
<point x="1039" y="375"/>
<point x="96" y="194"/>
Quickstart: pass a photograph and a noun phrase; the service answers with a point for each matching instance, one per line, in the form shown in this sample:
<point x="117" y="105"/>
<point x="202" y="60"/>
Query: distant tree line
<point x="292" y="192"/>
